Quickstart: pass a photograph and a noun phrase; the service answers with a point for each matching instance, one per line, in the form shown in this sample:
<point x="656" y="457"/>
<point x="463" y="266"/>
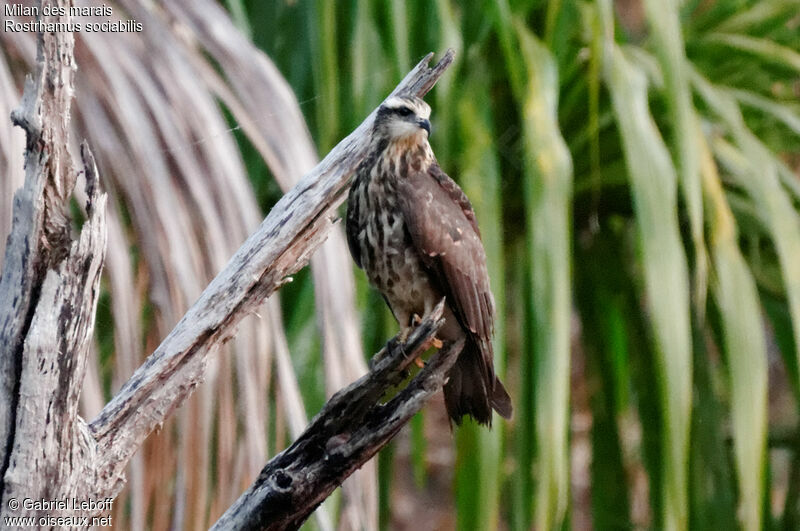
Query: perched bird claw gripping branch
<point x="413" y="231"/>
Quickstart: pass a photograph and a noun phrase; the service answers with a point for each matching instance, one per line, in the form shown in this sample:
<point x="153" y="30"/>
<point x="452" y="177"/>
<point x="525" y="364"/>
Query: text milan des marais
<point x="107" y="26"/>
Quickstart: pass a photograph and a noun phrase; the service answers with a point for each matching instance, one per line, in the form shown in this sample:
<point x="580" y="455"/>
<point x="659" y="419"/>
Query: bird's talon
<point x="437" y="343"/>
<point x="416" y="320"/>
<point x="419" y="363"/>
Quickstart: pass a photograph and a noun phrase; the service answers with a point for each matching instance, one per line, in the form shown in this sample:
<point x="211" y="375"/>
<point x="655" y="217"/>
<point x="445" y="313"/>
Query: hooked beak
<point x="425" y="124"/>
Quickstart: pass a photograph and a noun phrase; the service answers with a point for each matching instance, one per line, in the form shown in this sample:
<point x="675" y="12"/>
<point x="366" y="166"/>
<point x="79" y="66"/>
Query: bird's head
<point x="403" y="118"/>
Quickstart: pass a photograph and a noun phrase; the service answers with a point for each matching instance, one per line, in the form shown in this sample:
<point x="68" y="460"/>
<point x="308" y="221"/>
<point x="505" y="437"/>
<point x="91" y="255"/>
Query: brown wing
<point x="443" y="228"/>
<point x="352" y="228"/>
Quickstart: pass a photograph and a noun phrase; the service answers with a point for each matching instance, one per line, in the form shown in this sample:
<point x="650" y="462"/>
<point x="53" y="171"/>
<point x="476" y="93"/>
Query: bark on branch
<point x="49" y="290"/>
<point x="351" y="428"/>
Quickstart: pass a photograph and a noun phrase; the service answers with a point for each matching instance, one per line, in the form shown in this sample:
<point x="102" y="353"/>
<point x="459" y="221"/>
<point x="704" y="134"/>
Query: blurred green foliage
<point x="631" y="170"/>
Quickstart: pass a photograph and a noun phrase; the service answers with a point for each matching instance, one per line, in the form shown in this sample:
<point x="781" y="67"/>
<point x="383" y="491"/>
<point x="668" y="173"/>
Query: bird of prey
<point x="414" y="233"/>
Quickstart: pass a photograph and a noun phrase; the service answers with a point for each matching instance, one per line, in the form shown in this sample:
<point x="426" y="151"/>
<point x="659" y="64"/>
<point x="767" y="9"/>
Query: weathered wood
<point x="53" y="454"/>
<point x="39" y="239"/>
<point x="50" y="286"/>
<point x="351" y="428"/>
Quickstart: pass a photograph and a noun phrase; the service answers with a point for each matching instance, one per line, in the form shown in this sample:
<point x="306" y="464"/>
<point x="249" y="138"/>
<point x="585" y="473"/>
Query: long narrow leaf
<point x="548" y="197"/>
<point x="765" y="49"/>
<point x="665" y="26"/>
<point x="653" y="182"/>
<point x="745" y="345"/>
<point x="478" y="475"/>
<point x="760" y="179"/>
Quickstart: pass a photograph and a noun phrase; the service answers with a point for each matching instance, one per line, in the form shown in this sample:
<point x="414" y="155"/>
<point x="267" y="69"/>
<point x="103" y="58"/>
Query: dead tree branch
<point x="35" y="241"/>
<point x="351" y="428"/>
<point x="49" y="290"/>
<point x="51" y="450"/>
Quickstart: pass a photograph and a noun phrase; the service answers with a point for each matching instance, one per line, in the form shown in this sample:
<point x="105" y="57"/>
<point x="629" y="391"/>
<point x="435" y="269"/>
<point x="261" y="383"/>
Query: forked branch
<point x="351" y="428"/>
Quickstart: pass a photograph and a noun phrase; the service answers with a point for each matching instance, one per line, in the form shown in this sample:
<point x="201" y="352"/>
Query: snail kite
<point x="414" y="233"/>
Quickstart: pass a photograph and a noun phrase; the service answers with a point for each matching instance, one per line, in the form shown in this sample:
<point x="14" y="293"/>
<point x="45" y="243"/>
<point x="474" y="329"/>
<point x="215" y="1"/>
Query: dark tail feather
<point x="500" y="400"/>
<point x="466" y="393"/>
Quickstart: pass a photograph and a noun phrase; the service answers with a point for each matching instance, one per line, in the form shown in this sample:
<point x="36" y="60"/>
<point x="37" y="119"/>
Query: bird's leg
<point x="402" y="337"/>
<point x="411" y="322"/>
<point x="436" y="342"/>
<point x="395" y="343"/>
<point x="416" y="320"/>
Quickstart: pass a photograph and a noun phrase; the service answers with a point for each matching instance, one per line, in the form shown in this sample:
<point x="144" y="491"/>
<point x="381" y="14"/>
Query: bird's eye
<point x="405" y="111"/>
